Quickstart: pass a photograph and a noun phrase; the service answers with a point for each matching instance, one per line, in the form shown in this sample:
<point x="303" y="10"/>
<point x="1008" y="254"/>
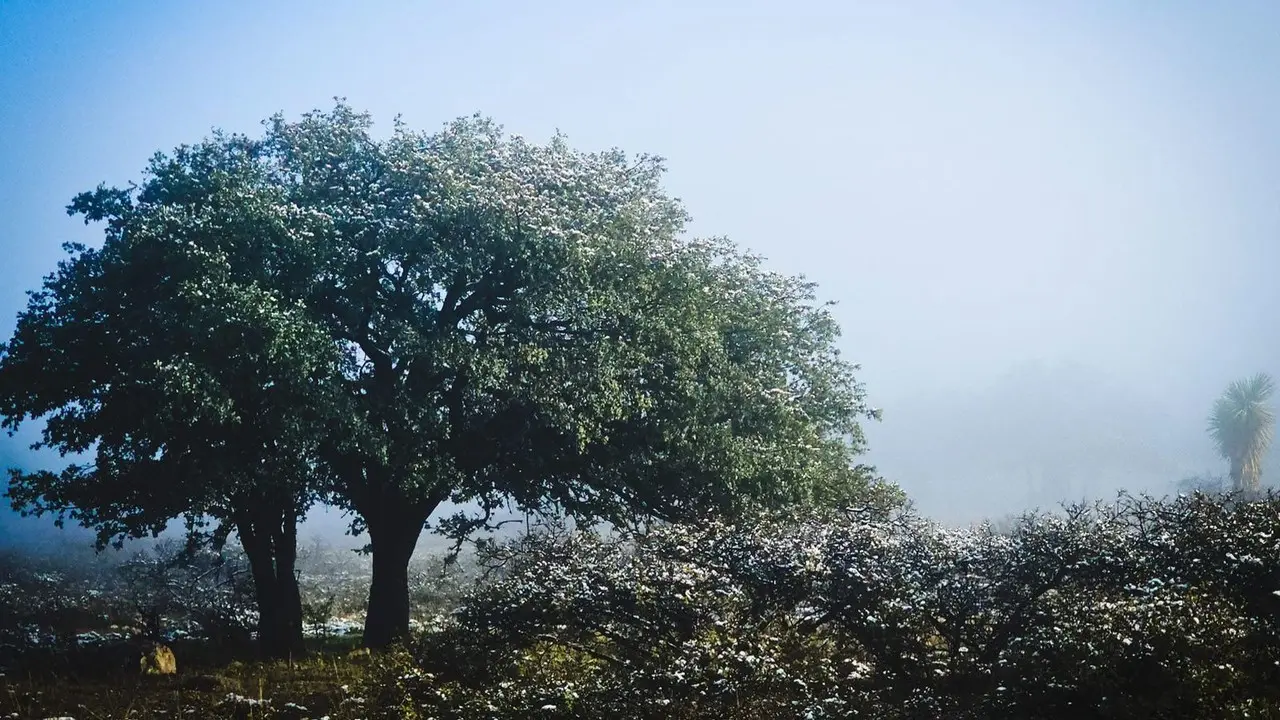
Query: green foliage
<point x="1243" y="425"/>
<point x="1139" y="609"/>
<point x="391" y="323"/>
<point x="195" y="392"/>
<point x="523" y="323"/>
<point x="188" y="386"/>
<point x="394" y="687"/>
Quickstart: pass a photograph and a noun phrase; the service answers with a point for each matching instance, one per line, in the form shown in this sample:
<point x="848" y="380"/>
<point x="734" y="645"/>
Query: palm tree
<point x="1243" y="424"/>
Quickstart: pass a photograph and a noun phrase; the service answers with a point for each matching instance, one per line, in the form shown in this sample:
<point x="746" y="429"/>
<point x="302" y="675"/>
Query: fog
<point x="1051" y="228"/>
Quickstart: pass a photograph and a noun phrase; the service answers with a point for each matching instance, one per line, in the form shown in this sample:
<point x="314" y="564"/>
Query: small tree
<point x="194" y="392"/>
<point x="1242" y="425"/>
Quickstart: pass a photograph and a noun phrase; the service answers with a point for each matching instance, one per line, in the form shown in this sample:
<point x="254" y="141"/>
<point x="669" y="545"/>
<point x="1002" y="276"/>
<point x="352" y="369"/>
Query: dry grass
<point x="208" y="685"/>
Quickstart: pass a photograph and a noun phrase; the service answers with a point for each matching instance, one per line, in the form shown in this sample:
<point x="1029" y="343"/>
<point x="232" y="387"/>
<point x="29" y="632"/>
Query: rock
<point x="158" y="659"/>
<point x="359" y="656"/>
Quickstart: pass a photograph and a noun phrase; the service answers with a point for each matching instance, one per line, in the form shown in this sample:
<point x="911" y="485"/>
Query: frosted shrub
<point x="1140" y="608"/>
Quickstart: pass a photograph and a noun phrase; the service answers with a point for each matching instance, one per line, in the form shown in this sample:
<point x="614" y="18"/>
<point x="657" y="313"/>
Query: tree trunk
<point x="393" y="538"/>
<point x="270" y="543"/>
<point x="267" y="594"/>
<point x="289" y="618"/>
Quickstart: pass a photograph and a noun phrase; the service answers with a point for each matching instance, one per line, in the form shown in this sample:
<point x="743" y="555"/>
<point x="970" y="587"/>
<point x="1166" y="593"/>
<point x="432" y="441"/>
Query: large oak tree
<point x="516" y="324"/>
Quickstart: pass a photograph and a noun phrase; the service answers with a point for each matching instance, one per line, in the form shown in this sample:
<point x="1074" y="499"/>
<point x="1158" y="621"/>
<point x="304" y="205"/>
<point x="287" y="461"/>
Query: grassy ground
<point x="210" y="683"/>
<point x="60" y="657"/>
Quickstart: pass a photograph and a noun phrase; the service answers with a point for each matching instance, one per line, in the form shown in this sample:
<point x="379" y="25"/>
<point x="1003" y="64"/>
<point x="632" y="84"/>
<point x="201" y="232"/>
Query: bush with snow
<point x="1139" y="608"/>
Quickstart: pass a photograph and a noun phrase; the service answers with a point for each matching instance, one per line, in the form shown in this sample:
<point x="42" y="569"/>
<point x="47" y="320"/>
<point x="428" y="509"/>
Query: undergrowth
<point x="89" y="684"/>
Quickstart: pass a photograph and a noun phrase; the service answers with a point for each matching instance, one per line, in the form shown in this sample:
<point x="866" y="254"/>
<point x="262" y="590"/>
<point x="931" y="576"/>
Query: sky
<point x="1085" y="188"/>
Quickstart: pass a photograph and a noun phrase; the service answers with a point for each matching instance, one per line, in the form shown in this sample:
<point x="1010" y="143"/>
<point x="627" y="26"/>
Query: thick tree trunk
<point x="289" y="595"/>
<point x="393" y="538"/>
<point x="270" y="543"/>
<point x="270" y="636"/>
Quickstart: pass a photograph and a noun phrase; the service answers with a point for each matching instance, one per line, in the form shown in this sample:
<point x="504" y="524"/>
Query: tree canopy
<point x="460" y="315"/>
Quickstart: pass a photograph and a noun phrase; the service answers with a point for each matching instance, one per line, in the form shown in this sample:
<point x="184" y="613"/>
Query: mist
<point x="1050" y="228"/>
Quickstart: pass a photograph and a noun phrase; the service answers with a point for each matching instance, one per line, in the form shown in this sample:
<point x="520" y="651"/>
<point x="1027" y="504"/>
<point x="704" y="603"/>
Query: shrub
<point x="1140" y="608"/>
<point x="176" y="589"/>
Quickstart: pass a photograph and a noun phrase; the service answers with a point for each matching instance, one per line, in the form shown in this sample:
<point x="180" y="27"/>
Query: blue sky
<point x="978" y="184"/>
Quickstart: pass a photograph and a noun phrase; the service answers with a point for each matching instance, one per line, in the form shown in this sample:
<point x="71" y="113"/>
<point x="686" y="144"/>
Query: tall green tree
<point x="524" y="324"/>
<point x="190" y="391"/>
<point x="1242" y="425"/>
<point x="517" y="325"/>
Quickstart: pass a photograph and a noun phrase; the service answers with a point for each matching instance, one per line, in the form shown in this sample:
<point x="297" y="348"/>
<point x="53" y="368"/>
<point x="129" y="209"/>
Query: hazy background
<point x="1051" y="227"/>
